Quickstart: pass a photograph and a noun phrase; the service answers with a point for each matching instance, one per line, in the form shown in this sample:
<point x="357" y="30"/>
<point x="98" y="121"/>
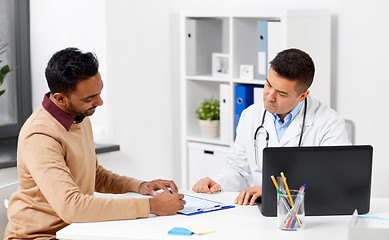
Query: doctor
<point x="288" y="117"/>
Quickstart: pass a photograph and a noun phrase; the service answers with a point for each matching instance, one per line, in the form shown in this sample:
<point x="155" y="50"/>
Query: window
<point x="15" y="103"/>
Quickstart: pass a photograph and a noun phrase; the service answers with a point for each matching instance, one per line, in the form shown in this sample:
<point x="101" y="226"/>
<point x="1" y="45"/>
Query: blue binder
<point x="244" y="97"/>
<point x="262" y="58"/>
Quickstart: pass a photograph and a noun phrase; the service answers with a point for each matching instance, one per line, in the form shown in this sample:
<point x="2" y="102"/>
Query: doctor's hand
<point x="166" y="203"/>
<point x="249" y="195"/>
<point x="152" y="187"/>
<point x="206" y="185"/>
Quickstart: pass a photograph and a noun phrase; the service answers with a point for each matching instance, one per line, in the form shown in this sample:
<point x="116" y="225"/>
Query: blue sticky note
<point x="180" y="231"/>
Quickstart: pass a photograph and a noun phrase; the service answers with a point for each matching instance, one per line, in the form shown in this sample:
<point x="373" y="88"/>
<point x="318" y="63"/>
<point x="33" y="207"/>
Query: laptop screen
<point x="337" y="178"/>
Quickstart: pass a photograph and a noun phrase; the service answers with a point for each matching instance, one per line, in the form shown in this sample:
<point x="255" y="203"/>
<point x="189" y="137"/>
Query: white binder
<point x="258" y="95"/>
<point x="191" y="47"/>
<point x="225" y="113"/>
<point x="273" y="39"/>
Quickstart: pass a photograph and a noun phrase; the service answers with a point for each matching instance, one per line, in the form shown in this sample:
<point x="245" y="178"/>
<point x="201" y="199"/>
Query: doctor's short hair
<point x="295" y="65"/>
<point x="68" y="67"/>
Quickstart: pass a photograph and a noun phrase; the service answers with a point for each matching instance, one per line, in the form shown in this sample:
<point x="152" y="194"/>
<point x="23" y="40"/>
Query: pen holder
<point x="290" y="216"/>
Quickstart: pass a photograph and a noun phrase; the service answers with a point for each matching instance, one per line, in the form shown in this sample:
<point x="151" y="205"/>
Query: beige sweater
<point x="58" y="173"/>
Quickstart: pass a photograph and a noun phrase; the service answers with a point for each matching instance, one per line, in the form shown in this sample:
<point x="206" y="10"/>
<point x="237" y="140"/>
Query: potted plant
<point x="4" y="70"/>
<point x="208" y="113"/>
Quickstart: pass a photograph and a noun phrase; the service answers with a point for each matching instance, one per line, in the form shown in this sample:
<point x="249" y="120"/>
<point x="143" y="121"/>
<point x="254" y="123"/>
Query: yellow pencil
<point x="287" y="189"/>
<point x="274" y="181"/>
<point x="290" y="197"/>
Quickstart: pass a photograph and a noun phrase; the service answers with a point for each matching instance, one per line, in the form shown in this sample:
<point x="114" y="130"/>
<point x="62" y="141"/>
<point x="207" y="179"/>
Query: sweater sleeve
<point x="109" y="182"/>
<point x="44" y="158"/>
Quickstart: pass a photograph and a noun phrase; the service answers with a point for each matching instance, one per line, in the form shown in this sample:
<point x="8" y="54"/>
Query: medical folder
<point x="196" y="205"/>
<point x="244" y="97"/>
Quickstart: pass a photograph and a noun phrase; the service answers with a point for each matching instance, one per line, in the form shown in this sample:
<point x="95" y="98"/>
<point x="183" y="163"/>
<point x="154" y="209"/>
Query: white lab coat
<point x="323" y="126"/>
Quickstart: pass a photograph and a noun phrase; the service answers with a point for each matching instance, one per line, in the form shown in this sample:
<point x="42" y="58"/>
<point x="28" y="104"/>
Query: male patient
<point x="57" y="166"/>
<point x="288" y="116"/>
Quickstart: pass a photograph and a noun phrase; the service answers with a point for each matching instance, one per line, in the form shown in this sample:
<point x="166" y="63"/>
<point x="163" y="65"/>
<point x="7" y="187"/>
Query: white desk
<point x="241" y="222"/>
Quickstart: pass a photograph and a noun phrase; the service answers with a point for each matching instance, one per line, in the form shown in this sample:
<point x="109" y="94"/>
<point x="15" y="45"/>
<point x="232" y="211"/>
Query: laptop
<point x="337" y="178"/>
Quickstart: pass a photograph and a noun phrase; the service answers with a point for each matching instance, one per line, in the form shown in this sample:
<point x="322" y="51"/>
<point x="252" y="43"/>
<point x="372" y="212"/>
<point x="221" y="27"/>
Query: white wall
<point x="137" y="44"/>
<point x="362" y="83"/>
<point x="58" y="24"/>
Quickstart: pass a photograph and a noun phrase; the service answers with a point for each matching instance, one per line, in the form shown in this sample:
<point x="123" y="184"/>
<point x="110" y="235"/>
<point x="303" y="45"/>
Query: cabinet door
<point x="205" y="160"/>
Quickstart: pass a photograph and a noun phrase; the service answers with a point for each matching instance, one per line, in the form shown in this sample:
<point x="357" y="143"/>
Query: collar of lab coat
<point x="294" y="128"/>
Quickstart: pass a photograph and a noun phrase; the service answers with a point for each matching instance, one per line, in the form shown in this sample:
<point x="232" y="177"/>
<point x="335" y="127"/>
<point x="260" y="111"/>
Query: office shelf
<point x="234" y="34"/>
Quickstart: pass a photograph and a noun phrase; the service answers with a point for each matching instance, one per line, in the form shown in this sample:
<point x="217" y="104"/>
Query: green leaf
<point x="3" y="72"/>
<point x="5" y="69"/>
<point x="2" y="76"/>
<point x="2" y="92"/>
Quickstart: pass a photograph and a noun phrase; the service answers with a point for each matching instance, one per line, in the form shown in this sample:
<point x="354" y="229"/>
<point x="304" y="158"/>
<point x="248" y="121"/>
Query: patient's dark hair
<point x="68" y="67"/>
<point x="295" y="65"/>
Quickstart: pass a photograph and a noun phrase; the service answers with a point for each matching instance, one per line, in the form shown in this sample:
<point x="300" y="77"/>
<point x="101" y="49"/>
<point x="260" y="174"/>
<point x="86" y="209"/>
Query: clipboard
<point x="196" y="205"/>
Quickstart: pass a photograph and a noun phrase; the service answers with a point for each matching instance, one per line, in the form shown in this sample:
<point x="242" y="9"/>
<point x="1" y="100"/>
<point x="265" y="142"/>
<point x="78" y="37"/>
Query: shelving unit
<point x="235" y="33"/>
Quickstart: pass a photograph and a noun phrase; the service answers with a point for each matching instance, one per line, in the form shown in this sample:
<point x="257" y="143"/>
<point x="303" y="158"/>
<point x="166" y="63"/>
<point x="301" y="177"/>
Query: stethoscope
<point x="261" y="130"/>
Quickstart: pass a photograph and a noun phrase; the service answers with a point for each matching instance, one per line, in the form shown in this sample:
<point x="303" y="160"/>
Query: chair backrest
<point x="350" y="128"/>
<point x="5" y="194"/>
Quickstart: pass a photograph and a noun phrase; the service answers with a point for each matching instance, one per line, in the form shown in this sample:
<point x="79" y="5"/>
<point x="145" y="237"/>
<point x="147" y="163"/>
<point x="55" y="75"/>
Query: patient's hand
<point x="206" y="185"/>
<point x="152" y="187"/>
<point x="249" y="195"/>
<point x="166" y="203"/>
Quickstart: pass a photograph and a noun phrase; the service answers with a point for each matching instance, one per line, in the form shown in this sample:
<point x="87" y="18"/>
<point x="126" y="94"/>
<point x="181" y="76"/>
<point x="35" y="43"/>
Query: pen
<point x="284" y="201"/>
<point x="295" y="218"/>
<point x="204" y="209"/>
<point x="287" y="189"/>
<point x="290" y="198"/>
<point x="298" y="201"/>
<point x="279" y="192"/>
<point x="170" y="191"/>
